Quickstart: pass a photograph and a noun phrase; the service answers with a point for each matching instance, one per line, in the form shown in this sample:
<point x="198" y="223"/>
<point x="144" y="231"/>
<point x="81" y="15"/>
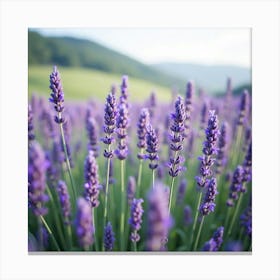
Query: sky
<point x="222" y="46"/>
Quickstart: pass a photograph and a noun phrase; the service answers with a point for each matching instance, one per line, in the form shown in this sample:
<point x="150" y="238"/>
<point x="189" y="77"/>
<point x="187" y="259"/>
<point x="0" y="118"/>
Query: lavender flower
<point x="159" y="221"/>
<point x="177" y="136"/>
<point x="236" y="185"/>
<point x="221" y="157"/>
<point x="208" y="204"/>
<point x="142" y="130"/>
<point x="203" y="116"/>
<point x="131" y="188"/>
<point x="31" y="135"/>
<point x="187" y="215"/>
<point x="247" y="166"/>
<point x="243" y="107"/>
<point x="215" y="242"/>
<point x="122" y="124"/>
<point x="84" y="225"/>
<point x="37" y="167"/>
<point x="152" y="104"/>
<point x="109" y="237"/>
<point x="246" y="221"/>
<point x="209" y="149"/>
<point x="64" y="201"/>
<point x="91" y="180"/>
<point x="92" y="133"/>
<point x="152" y="147"/>
<point x="188" y="106"/>
<point x="234" y="246"/>
<point x="181" y="190"/>
<point x="135" y="221"/>
<point x="124" y="91"/>
<point x="110" y="123"/>
<point x="57" y="95"/>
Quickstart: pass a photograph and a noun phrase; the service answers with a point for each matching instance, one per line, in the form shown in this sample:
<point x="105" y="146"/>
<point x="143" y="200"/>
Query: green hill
<point x="72" y="52"/>
<point x="82" y="84"/>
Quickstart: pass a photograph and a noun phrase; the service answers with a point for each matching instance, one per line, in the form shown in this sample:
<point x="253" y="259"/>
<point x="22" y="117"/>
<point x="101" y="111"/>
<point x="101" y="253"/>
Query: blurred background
<point x="160" y="60"/>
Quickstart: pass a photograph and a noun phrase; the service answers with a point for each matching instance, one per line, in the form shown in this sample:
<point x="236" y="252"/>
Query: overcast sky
<point x="204" y="46"/>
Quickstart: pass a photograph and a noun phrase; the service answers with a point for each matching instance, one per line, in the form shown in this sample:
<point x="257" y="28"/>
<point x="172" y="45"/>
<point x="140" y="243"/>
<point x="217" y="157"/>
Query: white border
<point x="262" y="16"/>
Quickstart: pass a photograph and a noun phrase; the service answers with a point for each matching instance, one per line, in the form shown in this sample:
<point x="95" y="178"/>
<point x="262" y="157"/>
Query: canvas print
<point x="139" y="140"/>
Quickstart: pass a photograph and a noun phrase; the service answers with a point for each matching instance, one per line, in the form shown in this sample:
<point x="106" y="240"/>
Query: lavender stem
<point x="139" y="178"/>
<point x="198" y="234"/>
<point x="50" y="232"/>
<point x="123" y="198"/>
<point x="94" y="226"/>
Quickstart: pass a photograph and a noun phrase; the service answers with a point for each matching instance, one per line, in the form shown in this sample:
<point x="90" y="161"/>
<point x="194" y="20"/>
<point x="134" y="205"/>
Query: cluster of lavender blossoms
<point x="246" y="220"/>
<point x="110" y="113"/>
<point x="215" y="242"/>
<point x="159" y="220"/>
<point x="37" y="167"/>
<point x="222" y="146"/>
<point x="64" y="201"/>
<point x="91" y="180"/>
<point x="57" y="95"/>
<point x="176" y="137"/>
<point x="84" y="225"/>
<point x="143" y="121"/>
<point x="209" y="150"/>
<point x="208" y="204"/>
<point x="109" y="237"/>
<point x="243" y="108"/>
<point x="92" y="133"/>
<point x="31" y="135"/>
<point x="135" y="220"/>
<point x="236" y="185"/>
<point x="188" y="106"/>
<point x="152" y="147"/>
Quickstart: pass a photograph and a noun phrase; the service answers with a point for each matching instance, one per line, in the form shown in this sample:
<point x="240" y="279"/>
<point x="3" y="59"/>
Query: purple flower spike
<point x="234" y="246"/>
<point x="109" y="123"/>
<point x="209" y="150"/>
<point x="135" y="221"/>
<point x="187" y="215"/>
<point x="236" y="185"/>
<point x="124" y="90"/>
<point x="243" y="107"/>
<point x="131" y="188"/>
<point x="181" y="191"/>
<point x="91" y="180"/>
<point x="159" y="221"/>
<point x="57" y="95"/>
<point x="247" y="165"/>
<point x="203" y="116"/>
<point x="64" y="201"/>
<point x="31" y="135"/>
<point x="215" y="242"/>
<point x="109" y="237"/>
<point x="92" y="133"/>
<point x="143" y="121"/>
<point x="37" y="167"/>
<point x="84" y="224"/>
<point x="208" y="204"/>
<point x="152" y="105"/>
<point x="188" y="106"/>
<point x="152" y="147"/>
<point x="246" y="221"/>
<point x="221" y="157"/>
<point x="177" y="136"/>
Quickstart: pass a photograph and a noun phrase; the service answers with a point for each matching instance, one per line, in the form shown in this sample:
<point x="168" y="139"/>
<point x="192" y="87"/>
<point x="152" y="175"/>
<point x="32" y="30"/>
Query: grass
<point x="83" y="84"/>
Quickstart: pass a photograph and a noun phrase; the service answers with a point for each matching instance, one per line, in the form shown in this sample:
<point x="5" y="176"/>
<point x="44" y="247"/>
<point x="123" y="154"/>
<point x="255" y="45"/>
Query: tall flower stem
<point x="50" y="232"/>
<point x="196" y="216"/>
<point x="107" y="188"/>
<point x="172" y="185"/>
<point x="94" y="226"/>
<point x="122" y="205"/>
<point x="198" y="234"/>
<point x="139" y="178"/>
<point x="67" y="158"/>
<point x="235" y="214"/>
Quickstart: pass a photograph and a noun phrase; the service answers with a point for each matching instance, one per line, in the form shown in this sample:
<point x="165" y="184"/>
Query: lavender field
<point x="139" y="176"/>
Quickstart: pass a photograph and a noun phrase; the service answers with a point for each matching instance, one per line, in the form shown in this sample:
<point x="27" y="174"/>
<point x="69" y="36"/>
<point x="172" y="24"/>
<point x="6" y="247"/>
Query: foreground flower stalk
<point x="57" y="98"/>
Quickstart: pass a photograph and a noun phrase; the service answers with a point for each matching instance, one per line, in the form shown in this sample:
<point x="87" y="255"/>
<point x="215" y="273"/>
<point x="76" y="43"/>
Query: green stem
<point x="139" y="178"/>
<point x="69" y="232"/>
<point x="235" y="214"/>
<point x="198" y="234"/>
<point x="122" y="206"/>
<point x="153" y="178"/>
<point x="196" y="216"/>
<point x="135" y="246"/>
<point x="171" y="194"/>
<point x="94" y="226"/>
<point x="50" y="232"/>
<point x="67" y="158"/>
<point x="106" y="191"/>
